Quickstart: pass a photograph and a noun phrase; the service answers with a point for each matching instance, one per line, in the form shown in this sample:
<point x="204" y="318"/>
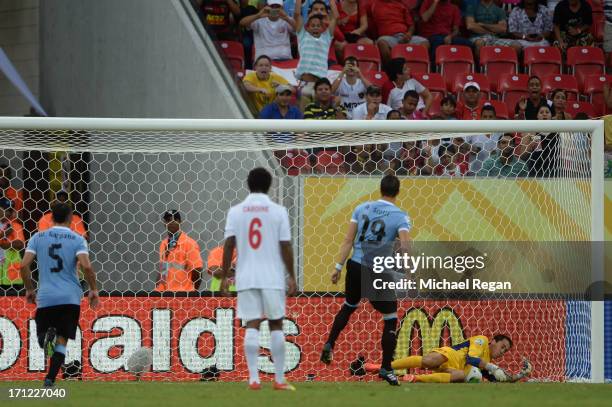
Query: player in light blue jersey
<point x="373" y="223"/>
<point x="59" y="291"/>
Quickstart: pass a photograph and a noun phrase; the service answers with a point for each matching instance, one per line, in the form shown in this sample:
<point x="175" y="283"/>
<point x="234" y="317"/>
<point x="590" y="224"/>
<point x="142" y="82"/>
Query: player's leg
<point x="57" y="360"/>
<point x="448" y="376"/>
<point x="65" y="319"/>
<point x="250" y="311"/>
<point x="388" y="339"/>
<point x="432" y="360"/>
<point x="351" y="302"/>
<point x="274" y="309"/>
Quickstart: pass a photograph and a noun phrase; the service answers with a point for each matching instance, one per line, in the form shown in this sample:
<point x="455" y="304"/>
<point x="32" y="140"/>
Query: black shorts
<point x="64" y="318"/>
<point x="353" y="288"/>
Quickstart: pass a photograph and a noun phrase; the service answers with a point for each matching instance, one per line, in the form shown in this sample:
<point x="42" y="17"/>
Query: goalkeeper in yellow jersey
<point x="456" y="363"/>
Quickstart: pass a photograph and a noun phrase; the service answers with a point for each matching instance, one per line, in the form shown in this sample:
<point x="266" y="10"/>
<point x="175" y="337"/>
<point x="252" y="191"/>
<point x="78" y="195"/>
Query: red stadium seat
<point x="296" y="162"/>
<point x="542" y="61"/>
<point x="575" y="107"/>
<point x="453" y="60"/>
<point x="512" y="88"/>
<point x="367" y="55"/>
<point x="416" y="56"/>
<point x="435" y="108"/>
<point x="288" y="64"/>
<point x="479" y="78"/>
<point x="434" y="82"/>
<point x="593" y="90"/>
<point x="597" y="29"/>
<point x="329" y="162"/>
<point x="234" y="52"/>
<point x="495" y="61"/>
<point x="569" y="83"/>
<point x="585" y="61"/>
<point x="501" y="110"/>
<point x="376" y="78"/>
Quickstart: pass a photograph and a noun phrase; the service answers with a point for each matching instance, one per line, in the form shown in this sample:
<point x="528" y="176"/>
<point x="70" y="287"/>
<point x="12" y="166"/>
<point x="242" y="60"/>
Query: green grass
<point x="322" y="394"/>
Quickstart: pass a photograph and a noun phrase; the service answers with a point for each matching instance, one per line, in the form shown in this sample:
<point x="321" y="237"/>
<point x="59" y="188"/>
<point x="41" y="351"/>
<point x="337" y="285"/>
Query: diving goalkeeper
<point x="455" y="363"/>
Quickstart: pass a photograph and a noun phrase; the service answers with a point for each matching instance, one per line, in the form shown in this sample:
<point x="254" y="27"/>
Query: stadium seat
<point x="501" y="110"/>
<point x="288" y="64"/>
<point x="416" y="57"/>
<point x="512" y="88"/>
<point x="434" y="82"/>
<point x="376" y="78"/>
<point x="542" y="61"/>
<point x="569" y="83"/>
<point x="593" y="90"/>
<point x="597" y="29"/>
<point x="234" y="52"/>
<point x="495" y="61"/>
<point x="329" y="162"/>
<point x="367" y="55"/>
<point x="435" y="108"/>
<point x="479" y="78"/>
<point x="585" y="61"/>
<point x="295" y="161"/>
<point x="453" y="60"/>
<point x="575" y="107"/>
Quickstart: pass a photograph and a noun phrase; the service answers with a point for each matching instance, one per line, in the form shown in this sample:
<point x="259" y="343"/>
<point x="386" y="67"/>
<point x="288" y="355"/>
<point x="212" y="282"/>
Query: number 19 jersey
<point x="259" y="225"/>
<point x="379" y="222"/>
<point x="56" y="252"/>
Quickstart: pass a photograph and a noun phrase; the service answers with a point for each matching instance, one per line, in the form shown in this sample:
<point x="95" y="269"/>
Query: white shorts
<point x="259" y="303"/>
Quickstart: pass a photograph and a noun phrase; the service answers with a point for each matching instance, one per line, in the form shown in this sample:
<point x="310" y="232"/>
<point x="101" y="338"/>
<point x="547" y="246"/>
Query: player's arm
<point x="287" y="255"/>
<point x="90" y="277"/>
<point x="26" y="276"/>
<point x="228" y="249"/>
<point x="345" y="250"/>
<point x="474" y="358"/>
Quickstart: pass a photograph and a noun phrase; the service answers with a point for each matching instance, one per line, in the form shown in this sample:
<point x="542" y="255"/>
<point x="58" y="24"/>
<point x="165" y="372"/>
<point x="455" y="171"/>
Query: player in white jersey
<point x="259" y="231"/>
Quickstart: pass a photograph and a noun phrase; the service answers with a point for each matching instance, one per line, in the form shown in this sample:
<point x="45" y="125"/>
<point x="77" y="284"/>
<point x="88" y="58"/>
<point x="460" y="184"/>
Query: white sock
<point x="251" y="351"/>
<point x="277" y="347"/>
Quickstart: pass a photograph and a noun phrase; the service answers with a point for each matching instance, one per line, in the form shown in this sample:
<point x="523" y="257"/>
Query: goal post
<point x="124" y="173"/>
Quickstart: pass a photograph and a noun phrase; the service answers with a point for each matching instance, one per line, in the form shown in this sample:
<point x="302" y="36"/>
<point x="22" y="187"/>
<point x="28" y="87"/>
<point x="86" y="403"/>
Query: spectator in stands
<point x="350" y="86"/>
<point x="179" y="257"/>
<point x="7" y="191"/>
<point x="447" y="166"/>
<point x="12" y="241"/>
<point x="441" y="22"/>
<point x="486" y="22"/>
<point x="572" y="24"/>
<point x="559" y="104"/>
<point x="372" y="109"/>
<point x="504" y="163"/>
<point x="530" y="23"/>
<point x="281" y="109"/>
<point x="323" y="106"/>
<point x="271" y="31"/>
<point x="394" y="115"/>
<point x="262" y="83"/>
<point x="352" y="25"/>
<point x="411" y="159"/>
<point x="409" y="106"/>
<point x="448" y="108"/>
<point x="527" y="107"/>
<point x="76" y="223"/>
<point x="544" y="160"/>
<point x="220" y="17"/>
<point x="313" y="43"/>
<point x="471" y="106"/>
<point x="483" y="145"/>
<point x="403" y="83"/>
<point x="214" y="268"/>
<point x="394" y="25"/>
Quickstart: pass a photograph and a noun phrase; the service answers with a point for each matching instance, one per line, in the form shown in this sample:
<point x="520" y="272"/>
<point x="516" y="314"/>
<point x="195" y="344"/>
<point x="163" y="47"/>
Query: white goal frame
<point x="594" y="127"/>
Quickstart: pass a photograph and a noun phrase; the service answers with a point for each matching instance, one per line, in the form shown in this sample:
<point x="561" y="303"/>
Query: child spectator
<point x="409" y="106"/>
<point x="313" y="43"/>
<point x="260" y="84"/>
<point x="448" y="108"/>
<point x="403" y="83"/>
<point x="350" y="86"/>
<point x="271" y="31"/>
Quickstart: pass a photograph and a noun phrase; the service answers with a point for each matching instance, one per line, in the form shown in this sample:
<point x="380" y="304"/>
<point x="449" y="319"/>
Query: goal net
<point x="527" y="196"/>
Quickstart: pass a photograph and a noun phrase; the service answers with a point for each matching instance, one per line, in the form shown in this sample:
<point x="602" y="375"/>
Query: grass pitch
<point x="318" y="394"/>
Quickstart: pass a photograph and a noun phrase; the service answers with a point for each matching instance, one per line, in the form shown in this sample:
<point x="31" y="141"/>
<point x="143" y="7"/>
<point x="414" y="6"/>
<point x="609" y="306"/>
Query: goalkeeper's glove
<point x="497" y="372"/>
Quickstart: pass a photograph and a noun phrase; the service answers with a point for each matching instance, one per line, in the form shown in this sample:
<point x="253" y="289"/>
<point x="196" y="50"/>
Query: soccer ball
<point x="473" y="376"/>
<point x="140" y="361"/>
